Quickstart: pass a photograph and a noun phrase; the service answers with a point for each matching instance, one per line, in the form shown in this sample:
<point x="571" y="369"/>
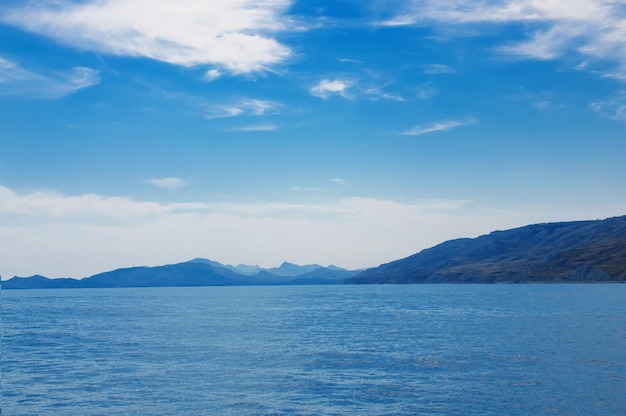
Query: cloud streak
<point x="167" y="183"/>
<point x="613" y="108"/>
<point x="251" y="107"/>
<point x="593" y="30"/>
<point x="351" y="89"/>
<point x="17" y="80"/>
<point x="438" y="126"/>
<point x="436" y="69"/>
<point x="233" y="35"/>
<point x="256" y="127"/>
<point x="327" y="88"/>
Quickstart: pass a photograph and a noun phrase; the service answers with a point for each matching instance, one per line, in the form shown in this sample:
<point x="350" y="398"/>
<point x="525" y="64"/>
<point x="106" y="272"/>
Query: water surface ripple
<point x="316" y="350"/>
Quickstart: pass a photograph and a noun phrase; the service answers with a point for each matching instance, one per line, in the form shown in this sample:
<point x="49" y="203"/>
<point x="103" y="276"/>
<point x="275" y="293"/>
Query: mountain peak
<point x="291" y="269"/>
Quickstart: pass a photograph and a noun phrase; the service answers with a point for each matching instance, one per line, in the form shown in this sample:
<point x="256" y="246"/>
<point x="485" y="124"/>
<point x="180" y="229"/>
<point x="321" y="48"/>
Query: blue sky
<point x="348" y="132"/>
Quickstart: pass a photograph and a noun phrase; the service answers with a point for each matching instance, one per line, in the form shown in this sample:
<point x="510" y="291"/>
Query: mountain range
<point x="580" y="251"/>
<point x="196" y="272"/>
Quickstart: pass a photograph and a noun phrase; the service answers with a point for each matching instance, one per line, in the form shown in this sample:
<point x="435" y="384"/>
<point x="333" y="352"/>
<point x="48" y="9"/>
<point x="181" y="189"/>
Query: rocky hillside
<point x="582" y="251"/>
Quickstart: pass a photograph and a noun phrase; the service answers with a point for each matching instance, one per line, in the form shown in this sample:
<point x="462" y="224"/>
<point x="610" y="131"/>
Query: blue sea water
<point x="316" y="350"/>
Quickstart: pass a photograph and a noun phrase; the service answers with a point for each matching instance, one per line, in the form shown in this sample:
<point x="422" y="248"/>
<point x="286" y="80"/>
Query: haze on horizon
<point x="348" y="132"/>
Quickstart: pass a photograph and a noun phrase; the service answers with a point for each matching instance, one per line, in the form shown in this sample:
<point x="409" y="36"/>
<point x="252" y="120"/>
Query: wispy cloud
<point x="339" y="181"/>
<point x="167" y="183"/>
<point x="426" y="91"/>
<point x="223" y="111"/>
<point x="499" y="11"/>
<point x="439" y="126"/>
<point x="326" y="88"/>
<point x="434" y="69"/>
<point x="17" y="80"/>
<point x="299" y="188"/>
<point x="547" y="105"/>
<point x="260" y="107"/>
<point x="350" y="61"/>
<point x="54" y="206"/>
<point x="212" y="74"/>
<point x="233" y="35"/>
<point x="542" y="100"/>
<point x="613" y="108"/>
<point x="256" y="127"/>
<point x="379" y="93"/>
<point x="352" y="89"/>
<point x="246" y="106"/>
<point x="593" y="30"/>
<point x="209" y="109"/>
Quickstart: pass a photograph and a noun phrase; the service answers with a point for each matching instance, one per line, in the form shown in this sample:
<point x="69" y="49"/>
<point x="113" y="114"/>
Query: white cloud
<point x="53" y="206"/>
<point x="472" y="11"/>
<point x="260" y="107"/>
<point x="41" y="230"/>
<point x="244" y="107"/>
<point x="256" y="127"/>
<point x="339" y="181"/>
<point x="325" y="88"/>
<point x="434" y="69"/>
<point x="376" y="93"/>
<point x="16" y="80"/>
<point x="591" y="29"/>
<point x="233" y="35"/>
<point x="613" y="108"/>
<point x="212" y="74"/>
<point x="350" y="61"/>
<point x="167" y="183"/>
<point x="439" y="126"/>
<point x="223" y="111"/>
<point x="350" y="89"/>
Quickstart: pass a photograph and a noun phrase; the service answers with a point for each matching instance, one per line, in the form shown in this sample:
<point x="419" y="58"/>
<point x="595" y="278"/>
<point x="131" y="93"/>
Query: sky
<point x="353" y="133"/>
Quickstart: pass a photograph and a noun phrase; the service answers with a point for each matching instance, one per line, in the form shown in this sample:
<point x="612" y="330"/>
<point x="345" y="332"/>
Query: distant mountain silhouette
<point x="290" y="269"/>
<point x="38" y="282"/>
<point x="582" y="251"/>
<point x="286" y="269"/>
<point x="196" y="272"/>
<point x="241" y="269"/>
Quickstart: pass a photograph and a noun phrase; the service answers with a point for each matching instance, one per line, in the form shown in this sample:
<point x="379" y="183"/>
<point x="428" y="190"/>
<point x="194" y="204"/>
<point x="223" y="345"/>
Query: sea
<point x="556" y="349"/>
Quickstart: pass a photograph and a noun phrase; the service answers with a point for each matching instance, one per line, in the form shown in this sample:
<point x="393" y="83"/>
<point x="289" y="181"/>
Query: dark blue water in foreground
<point x="317" y="350"/>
